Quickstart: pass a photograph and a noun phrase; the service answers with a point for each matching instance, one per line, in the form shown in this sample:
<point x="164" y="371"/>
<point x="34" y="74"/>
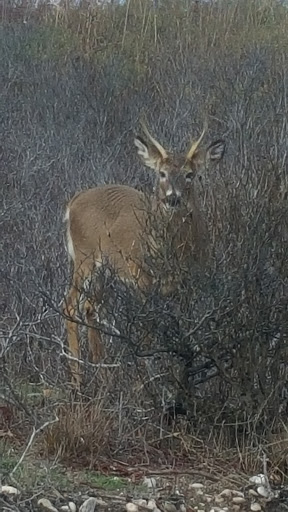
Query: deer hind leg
<point x="82" y="299"/>
<point x="70" y="309"/>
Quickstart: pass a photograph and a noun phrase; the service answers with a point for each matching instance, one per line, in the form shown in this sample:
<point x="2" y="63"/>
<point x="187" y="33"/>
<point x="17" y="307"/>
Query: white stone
<point x="219" y="499"/>
<point x="238" y="500"/>
<point x="8" y="489"/>
<point x="90" y="505"/>
<point x="196" y="485"/>
<point x="263" y="491"/>
<point x="152" y="504"/>
<point x="46" y="505"/>
<point x="227" y="493"/>
<point x="258" y="479"/>
<point x="238" y="493"/>
<point x="253" y="493"/>
<point x="130" y="507"/>
<point x="143" y="503"/>
<point x="255" y="507"/>
<point x="71" y="507"/>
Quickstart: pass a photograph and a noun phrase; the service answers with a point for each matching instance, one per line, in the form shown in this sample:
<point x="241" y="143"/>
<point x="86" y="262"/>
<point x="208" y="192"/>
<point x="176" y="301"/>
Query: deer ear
<point x="198" y="158"/>
<point x="216" y="150"/>
<point x="150" y="156"/>
<point x="142" y="147"/>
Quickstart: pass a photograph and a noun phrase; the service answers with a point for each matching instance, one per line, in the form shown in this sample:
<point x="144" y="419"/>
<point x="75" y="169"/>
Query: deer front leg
<point x="94" y="334"/>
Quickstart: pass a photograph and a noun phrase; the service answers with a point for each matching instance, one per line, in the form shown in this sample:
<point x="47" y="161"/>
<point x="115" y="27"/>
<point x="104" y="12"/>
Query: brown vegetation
<point x="73" y="84"/>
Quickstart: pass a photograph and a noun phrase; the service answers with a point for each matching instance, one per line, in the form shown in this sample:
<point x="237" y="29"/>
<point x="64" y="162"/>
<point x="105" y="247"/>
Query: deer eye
<point x="189" y="176"/>
<point x="162" y="175"/>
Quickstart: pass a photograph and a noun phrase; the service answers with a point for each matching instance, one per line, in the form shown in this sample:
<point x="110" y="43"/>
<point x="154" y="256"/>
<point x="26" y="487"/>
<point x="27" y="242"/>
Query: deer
<point x="112" y="221"/>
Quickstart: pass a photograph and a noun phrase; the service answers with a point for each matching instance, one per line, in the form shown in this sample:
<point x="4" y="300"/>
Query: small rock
<point x="182" y="508"/>
<point x="8" y="489"/>
<point x="255" y="507"/>
<point x="150" y="482"/>
<point x="227" y="493"/>
<point x="238" y="493"/>
<point x="71" y="507"/>
<point x="152" y="504"/>
<point x="169" y="507"/>
<point x="253" y="493"/>
<point x="236" y="508"/>
<point x="196" y="485"/>
<point x="263" y="491"/>
<point x="258" y="479"/>
<point x="46" y="505"/>
<point x="130" y="507"/>
<point x="219" y="499"/>
<point x="238" y="500"/>
<point x="143" y="503"/>
<point x="89" y="505"/>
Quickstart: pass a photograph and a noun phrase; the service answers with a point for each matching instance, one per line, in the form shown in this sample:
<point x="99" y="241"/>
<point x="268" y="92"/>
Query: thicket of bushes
<point x="73" y="84"/>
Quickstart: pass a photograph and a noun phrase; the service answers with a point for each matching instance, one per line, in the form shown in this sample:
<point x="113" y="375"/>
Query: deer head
<point x="176" y="171"/>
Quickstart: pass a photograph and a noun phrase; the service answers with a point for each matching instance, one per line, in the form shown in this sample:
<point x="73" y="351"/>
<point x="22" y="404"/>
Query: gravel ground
<point x="191" y="495"/>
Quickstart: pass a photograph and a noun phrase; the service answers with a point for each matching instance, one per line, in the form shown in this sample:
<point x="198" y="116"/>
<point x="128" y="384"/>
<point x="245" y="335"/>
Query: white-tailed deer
<point x="112" y="222"/>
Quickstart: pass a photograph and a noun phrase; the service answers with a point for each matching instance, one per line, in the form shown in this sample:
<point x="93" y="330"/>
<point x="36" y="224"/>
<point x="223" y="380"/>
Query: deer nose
<point x="173" y="201"/>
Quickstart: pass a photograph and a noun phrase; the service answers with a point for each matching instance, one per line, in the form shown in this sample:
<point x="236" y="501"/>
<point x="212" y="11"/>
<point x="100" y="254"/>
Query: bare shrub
<point x="72" y="89"/>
